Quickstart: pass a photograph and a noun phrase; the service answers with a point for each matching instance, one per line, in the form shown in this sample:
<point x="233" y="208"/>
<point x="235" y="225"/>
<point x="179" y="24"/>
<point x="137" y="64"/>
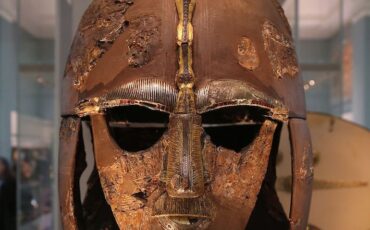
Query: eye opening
<point x="234" y="127"/>
<point x="136" y="128"/>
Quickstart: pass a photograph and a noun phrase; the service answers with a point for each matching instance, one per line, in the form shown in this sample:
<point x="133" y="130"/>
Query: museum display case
<point x="35" y="41"/>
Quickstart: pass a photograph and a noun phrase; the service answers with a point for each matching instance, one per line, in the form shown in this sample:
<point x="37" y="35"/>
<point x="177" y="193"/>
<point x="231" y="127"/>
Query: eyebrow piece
<point x="148" y="89"/>
<point x="124" y="124"/>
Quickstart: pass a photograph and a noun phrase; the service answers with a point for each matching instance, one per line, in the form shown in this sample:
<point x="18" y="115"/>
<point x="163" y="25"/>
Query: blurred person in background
<point x="14" y="160"/>
<point x="30" y="186"/>
<point x="7" y="197"/>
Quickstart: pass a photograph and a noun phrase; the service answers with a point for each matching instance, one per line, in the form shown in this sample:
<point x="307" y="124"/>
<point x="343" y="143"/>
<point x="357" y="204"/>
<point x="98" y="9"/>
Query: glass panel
<point x="332" y="59"/>
<point x="35" y="114"/>
<point x="8" y="104"/>
<point x="290" y="9"/>
<point x="320" y="39"/>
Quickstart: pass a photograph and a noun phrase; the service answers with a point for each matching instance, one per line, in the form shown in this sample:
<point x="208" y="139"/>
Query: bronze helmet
<point x="185" y="101"/>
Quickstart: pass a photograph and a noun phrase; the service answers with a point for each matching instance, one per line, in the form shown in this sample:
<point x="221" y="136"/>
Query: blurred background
<point x="332" y="39"/>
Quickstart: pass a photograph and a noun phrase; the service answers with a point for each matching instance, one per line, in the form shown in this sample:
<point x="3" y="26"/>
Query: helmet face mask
<point x="185" y="133"/>
<point x="142" y="183"/>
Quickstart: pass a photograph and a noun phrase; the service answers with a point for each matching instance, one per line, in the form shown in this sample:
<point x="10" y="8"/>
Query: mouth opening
<point x="183" y="222"/>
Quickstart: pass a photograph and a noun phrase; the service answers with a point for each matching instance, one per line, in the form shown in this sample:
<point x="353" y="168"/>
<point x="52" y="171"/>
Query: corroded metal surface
<point x="339" y="147"/>
<point x="280" y="51"/>
<point x="144" y="36"/>
<point x="100" y="26"/>
<point x="237" y="178"/>
<point x="282" y="15"/>
<point x="133" y="188"/>
<point x="215" y="56"/>
<point x="247" y="54"/>
<point x="184" y="169"/>
<point x="129" y="181"/>
<point x="148" y="92"/>
<point x="302" y="168"/>
<point x="223" y="93"/>
<point x="187" y="59"/>
<point x="69" y="134"/>
<point x="159" y="95"/>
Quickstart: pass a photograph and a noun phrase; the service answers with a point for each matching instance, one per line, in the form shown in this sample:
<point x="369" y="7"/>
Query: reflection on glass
<point x="327" y="52"/>
<point x="35" y="113"/>
<point x="320" y="45"/>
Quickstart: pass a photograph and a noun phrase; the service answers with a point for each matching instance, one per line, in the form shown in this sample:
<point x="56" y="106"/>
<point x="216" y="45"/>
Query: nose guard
<point x="184" y="169"/>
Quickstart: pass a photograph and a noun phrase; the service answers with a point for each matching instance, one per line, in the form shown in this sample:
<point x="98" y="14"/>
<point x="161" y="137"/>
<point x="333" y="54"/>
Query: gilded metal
<point x="184" y="169"/>
<point x="147" y="92"/>
<point x="184" y="176"/>
<point x="227" y="93"/>
<point x="185" y="124"/>
<point x="185" y="35"/>
<point x="155" y="94"/>
<point x="247" y="54"/>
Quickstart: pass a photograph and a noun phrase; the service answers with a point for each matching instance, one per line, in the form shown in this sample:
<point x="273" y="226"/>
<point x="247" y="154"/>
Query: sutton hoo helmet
<point x="185" y="101"/>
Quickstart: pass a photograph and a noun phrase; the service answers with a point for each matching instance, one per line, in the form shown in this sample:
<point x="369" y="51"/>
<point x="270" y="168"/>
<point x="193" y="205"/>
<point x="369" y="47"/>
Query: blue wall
<point x="315" y="51"/>
<point x="20" y="91"/>
<point x="8" y="82"/>
<point x="360" y="34"/>
<point x="325" y="95"/>
<point x="35" y="98"/>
